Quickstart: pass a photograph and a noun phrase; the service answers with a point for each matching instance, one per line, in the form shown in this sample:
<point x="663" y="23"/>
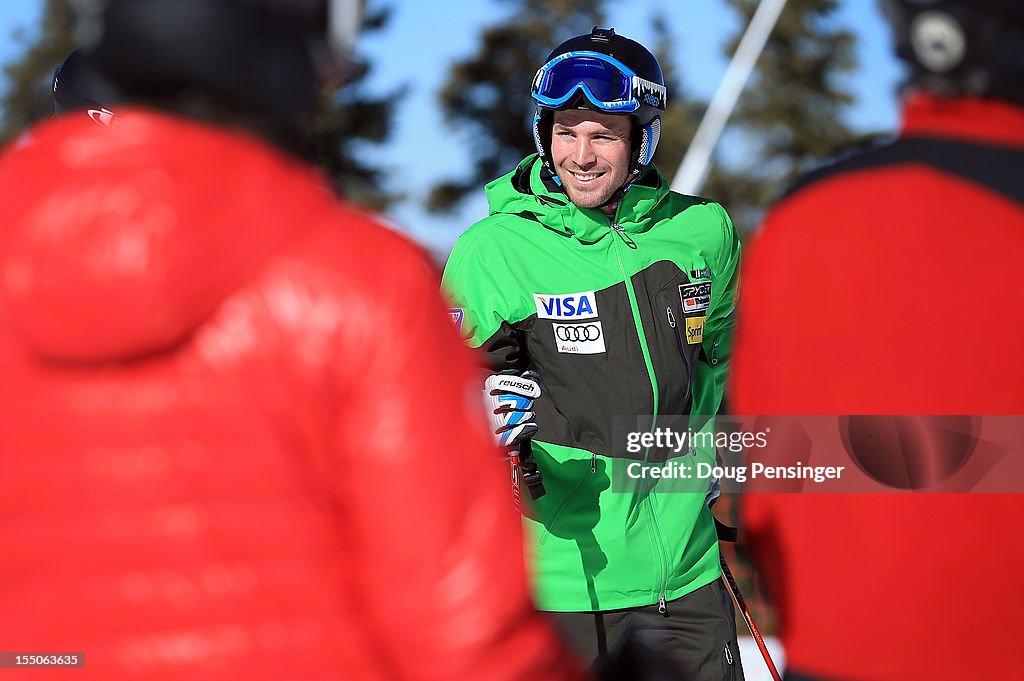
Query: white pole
<point x="694" y="169"/>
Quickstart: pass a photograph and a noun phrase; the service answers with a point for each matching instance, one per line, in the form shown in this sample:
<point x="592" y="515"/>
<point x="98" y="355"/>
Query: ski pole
<point x="513" y="457"/>
<point x="524" y="469"/>
<point x="734" y="590"/>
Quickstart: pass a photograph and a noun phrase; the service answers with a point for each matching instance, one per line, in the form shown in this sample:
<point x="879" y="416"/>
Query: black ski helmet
<point x="265" y="57"/>
<point x="647" y="88"/>
<point x="76" y="87"/>
<point x="958" y="48"/>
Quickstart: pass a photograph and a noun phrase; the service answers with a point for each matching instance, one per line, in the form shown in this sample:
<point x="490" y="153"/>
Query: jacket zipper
<point x="626" y="238"/>
<point x="682" y="353"/>
<point x="635" y="310"/>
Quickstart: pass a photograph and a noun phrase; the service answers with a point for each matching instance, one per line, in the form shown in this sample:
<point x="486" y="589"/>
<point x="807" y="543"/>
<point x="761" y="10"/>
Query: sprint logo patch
<point x="695" y="330"/>
<point x="695" y="297"/>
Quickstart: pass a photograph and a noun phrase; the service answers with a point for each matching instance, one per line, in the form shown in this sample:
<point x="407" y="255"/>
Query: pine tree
<point x="683" y="113"/>
<point x="791" y="114"/>
<point x="352" y="117"/>
<point x="352" y="123"/>
<point x="28" y="97"/>
<point x="679" y="125"/>
<point x="486" y="97"/>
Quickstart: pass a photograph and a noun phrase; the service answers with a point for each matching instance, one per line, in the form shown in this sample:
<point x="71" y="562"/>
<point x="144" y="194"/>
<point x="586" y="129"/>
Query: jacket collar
<point x="523" y="191"/>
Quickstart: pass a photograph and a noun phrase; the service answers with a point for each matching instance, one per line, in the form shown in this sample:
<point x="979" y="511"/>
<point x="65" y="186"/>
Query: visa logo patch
<point x="566" y="306"/>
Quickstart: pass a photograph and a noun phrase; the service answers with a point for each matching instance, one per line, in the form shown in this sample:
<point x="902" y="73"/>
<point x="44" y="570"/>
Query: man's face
<point x="590" y="151"/>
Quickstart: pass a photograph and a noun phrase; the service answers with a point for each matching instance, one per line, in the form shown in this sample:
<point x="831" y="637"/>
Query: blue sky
<point x="422" y="42"/>
<point x="424" y="38"/>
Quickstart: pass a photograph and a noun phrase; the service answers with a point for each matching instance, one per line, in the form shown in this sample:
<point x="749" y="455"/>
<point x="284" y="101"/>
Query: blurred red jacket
<point x="240" y="438"/>
<point x="888" y="284"/>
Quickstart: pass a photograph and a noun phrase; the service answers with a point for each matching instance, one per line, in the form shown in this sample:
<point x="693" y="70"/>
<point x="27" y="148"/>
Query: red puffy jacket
<point x="888" y="284"/>
<point x="240" y="438"/>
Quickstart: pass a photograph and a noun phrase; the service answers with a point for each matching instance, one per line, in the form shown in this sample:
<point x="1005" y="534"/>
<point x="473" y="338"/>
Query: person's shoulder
<point x="344" y="257"/>
<point x="672" y="205"/>
<point x="975" y="162"/>
<point x="679" y="202"/>
<point x="865" y="154"/>
<point x="324" y="289"/>
<point x="515" y="215"/>
<point x="350" y="239"/>
<point x="697" y="222"/>
<point x="494" y="234"/>
<point x="494" y="226"/>
<point x="696" y="213"/>
<point x="512" y="204"/>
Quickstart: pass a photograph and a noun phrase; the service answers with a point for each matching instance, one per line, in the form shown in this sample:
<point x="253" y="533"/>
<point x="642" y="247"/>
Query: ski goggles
<point x="607" y="83"/>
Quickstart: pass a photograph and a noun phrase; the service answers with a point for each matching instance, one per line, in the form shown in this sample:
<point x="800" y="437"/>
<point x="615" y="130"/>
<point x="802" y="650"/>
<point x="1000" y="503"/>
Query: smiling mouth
<point x="585" y="178"/>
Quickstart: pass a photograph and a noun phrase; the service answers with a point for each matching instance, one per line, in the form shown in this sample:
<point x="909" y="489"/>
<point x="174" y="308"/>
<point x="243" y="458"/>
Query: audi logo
<point x="577" y="332"/>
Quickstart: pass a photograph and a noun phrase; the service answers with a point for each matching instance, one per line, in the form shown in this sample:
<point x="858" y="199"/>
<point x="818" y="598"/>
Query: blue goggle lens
<point x="605" y="82"/>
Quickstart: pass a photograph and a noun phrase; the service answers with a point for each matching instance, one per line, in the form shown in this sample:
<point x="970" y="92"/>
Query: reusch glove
<point x="509" y="396"/>
<point x="714" y="491"/>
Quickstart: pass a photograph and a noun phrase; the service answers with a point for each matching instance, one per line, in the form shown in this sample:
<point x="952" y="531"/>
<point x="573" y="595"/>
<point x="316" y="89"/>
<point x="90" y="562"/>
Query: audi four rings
<point x="577" y="332"/>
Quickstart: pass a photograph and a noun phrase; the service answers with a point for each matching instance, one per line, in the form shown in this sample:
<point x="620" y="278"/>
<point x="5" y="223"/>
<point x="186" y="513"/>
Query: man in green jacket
<point x="607" y="301"/>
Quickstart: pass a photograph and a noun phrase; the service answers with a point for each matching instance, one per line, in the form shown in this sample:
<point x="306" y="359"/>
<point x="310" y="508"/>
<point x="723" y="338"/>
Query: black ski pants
<point x="694" y="640"/>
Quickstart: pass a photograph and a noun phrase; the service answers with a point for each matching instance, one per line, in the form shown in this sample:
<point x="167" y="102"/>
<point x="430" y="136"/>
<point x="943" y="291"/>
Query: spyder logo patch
<point x="695" y="297"/>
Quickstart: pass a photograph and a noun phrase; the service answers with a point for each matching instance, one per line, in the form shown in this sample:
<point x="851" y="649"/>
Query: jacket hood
<point x="524" y="191"/>
<point x="118" y="242"/>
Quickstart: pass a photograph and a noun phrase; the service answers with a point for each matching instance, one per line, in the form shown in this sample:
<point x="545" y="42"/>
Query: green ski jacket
<point x="628" y="323"/>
